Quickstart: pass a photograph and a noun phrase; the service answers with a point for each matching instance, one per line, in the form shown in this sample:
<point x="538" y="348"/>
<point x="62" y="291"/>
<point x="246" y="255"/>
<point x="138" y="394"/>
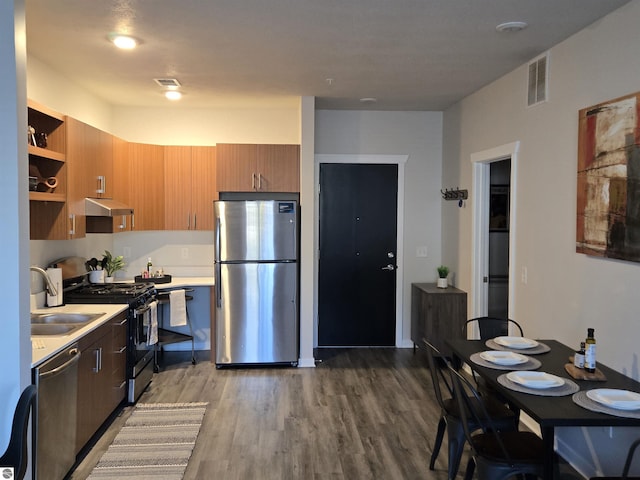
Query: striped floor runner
<point x="155" y="443"/>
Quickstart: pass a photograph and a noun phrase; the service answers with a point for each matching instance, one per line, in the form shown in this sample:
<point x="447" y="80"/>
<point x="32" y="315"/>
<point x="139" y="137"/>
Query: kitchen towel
<point x="55" y="274"/>
<point x="178" y="308"/>
<point x="152" y="329"/>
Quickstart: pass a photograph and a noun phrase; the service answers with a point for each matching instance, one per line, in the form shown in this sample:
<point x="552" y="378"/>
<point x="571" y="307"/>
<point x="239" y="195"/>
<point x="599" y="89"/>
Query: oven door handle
<point x="142" y="310"/>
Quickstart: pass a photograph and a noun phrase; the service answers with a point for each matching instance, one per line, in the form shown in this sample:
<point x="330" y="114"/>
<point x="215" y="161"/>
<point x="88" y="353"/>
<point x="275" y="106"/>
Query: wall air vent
<point x="167" y="82"/>
<point x="538" y="87"/>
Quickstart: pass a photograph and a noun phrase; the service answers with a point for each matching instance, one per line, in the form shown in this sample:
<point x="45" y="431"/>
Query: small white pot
<point x="96" y="276"/>
<point x="108" y="279"/>
<point x="442" y="283"/>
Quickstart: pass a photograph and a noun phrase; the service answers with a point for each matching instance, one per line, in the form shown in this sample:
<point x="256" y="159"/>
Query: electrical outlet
<point x="523" y="275"/>
<point x="421" y="252"/>
<point x="184" y="253"/>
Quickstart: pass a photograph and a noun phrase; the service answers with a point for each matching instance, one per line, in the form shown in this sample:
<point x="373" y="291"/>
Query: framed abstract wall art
<point x="608" y="203"/>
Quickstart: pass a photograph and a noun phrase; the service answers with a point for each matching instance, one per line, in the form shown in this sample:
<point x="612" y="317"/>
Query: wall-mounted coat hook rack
<point x="455" y="194"/>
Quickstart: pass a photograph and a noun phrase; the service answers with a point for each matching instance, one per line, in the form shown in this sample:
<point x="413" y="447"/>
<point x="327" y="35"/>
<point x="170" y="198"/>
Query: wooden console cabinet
<point x="437" y="314"/>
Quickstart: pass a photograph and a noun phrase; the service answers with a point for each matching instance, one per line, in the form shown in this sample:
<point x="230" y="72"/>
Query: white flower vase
<point x="108" y="279"/>
<point x="442" y="282"/>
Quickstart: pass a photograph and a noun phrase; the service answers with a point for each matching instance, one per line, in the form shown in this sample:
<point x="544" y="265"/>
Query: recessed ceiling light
<point x="173" y="94"/>
<point x="368" y="100"/>
<point x="125" y="42"/>
<point x="509" y="27"/>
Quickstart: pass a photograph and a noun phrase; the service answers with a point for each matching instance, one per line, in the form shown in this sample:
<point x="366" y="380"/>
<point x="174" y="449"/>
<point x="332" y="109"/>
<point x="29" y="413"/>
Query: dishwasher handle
<point x="74" y="352"/>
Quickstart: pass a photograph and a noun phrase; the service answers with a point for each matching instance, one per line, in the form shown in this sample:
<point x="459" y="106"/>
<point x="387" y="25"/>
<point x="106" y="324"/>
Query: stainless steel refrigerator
<point x="256" y="281"/>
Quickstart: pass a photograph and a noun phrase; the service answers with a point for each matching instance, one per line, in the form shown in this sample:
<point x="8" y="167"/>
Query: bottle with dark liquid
<point x="590" y="352"/>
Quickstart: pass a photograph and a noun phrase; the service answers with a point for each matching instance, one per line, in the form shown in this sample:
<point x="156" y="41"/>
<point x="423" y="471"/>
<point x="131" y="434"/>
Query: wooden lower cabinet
<point x="437" y="314"/>
<point x="101" y="376"/>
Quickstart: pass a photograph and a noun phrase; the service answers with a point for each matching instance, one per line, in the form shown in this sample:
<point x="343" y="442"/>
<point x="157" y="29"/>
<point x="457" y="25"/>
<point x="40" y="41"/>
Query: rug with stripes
<point x="155" y="443"/>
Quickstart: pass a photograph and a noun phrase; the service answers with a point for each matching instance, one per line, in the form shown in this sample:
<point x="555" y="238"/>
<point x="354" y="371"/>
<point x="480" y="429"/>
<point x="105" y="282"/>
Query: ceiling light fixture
<point x="125" y="42"/>
<point x="173" y="94"/>
<point x="368" y="100"/>
<point x="511" y="27"/>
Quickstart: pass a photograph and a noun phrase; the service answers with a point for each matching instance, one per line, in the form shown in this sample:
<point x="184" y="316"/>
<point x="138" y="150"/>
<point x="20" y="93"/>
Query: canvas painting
<point x="608" y="216"/>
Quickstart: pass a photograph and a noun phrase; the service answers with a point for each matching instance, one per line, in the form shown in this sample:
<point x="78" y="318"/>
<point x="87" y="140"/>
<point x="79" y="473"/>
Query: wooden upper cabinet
<point x="236" y="167"/>
<point x="258" y="168"/>
<point x="278" y="168"/>
<point x="190" y="187"/>
<point x="77" y="151"/>
<point x="48" y="215"/>
<point x="146" y="185"/>
<point x="99" y="161"/>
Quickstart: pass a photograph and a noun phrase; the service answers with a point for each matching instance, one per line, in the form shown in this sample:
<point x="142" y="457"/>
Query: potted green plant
<point x="443" y="271"/>
<point x="111" y="265"/>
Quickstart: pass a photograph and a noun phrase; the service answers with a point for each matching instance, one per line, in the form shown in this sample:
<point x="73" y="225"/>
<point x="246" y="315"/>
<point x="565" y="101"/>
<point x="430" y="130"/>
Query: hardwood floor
<point x="361" y="414"/>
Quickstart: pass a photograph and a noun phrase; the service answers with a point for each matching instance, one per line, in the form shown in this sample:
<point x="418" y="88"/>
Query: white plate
<point x="535" y="379"/>
<point x="503" y="358"/>
<point x="515" y="342"/>
<point x="620" y="399"/>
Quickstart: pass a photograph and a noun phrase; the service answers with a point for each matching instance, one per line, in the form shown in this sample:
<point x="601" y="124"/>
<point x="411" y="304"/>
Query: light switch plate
<point x="421" y="252"/>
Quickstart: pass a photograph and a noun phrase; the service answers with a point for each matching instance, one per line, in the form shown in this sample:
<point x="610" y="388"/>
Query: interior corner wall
<point x="418" y="135"/>
<point x="565" y="292"/>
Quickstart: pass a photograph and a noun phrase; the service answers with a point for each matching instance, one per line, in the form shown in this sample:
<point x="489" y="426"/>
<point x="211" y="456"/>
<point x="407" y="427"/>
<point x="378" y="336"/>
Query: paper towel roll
<point x="55" y="274"/>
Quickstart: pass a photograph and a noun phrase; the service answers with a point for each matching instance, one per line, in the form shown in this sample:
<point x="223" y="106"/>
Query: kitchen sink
<point x="53" y="329"/>
<point x="64" y="318"/>
<point x="57" y="324"/>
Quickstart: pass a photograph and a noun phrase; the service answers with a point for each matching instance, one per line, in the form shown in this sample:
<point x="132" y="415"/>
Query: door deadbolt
<point x="389" y="267"/>
<point x="390" y="255"/>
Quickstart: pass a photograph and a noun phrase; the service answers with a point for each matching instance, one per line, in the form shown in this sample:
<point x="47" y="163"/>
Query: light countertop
<point x="44" y="347"/>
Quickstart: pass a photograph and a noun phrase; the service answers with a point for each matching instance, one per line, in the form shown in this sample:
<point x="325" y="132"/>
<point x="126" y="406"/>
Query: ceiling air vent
<point x="537" y="91"/>
<point x="167" y="82"/>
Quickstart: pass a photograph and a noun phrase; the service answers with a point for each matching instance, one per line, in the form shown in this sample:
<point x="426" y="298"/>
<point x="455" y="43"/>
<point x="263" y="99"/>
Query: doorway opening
<point x="494" y="231"/>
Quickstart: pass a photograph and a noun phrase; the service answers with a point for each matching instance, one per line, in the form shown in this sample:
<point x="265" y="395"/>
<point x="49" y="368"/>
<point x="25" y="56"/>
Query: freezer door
<point x="255" y="230"/>
<point x="257" y="314"/>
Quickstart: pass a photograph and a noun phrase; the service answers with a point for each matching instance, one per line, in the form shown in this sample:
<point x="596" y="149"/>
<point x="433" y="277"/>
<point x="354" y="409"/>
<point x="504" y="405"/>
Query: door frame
<point x="480" y="225"/>
<point x="398" y="160"/>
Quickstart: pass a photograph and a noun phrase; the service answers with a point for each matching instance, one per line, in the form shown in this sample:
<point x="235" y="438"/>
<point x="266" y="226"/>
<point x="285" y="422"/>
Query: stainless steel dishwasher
<point x="57" y="382"/>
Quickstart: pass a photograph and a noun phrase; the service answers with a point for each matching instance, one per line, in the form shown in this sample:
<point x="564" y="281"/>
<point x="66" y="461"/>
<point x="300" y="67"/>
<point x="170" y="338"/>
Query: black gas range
<point x="138" y="296"/>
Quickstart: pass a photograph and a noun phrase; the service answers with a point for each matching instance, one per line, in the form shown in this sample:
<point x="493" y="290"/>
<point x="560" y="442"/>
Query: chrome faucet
<point x="51" y="288"/>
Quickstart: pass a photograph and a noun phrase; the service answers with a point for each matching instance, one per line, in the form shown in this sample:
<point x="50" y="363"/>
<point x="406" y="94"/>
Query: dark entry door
<point x="357" y="267"/>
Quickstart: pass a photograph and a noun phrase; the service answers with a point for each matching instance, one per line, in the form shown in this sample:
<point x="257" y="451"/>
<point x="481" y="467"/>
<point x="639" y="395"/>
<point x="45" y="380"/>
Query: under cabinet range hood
<point x="105" y="207"/>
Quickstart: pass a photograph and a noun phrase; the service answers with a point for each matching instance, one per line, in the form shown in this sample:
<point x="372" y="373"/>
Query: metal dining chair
<point x="627" y="465"/>
<point x="496" y="454"/>
<point x="488" y="328"/>
<point x="450" y="417"/>
<point x="491" y="327"/>
<point x="16" y="454"/>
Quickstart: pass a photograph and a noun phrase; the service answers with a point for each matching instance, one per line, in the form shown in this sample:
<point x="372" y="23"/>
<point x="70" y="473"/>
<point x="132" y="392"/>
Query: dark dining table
<point x="551" y="411"/>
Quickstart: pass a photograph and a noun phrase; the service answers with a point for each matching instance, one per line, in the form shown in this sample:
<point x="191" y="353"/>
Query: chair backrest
<point x="16" y="454"/>
<point x="438" y="375"/>
<point x="491" y="327"/>
<point x="473" y="411"/>
<point x="627" y="463"/>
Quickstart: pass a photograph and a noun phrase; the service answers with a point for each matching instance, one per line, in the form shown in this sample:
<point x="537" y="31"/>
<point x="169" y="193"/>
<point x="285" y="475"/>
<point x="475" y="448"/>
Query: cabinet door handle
<point x="102" y="184"/>
<point x="253" y="181"/>
<point x="195" y="221"/>
<point x="133" y="222"/>
<point x="259" y="181"/>
<point x="123" y="223"/>
<point x="189" y="221"/>
<point x="122" y="349"/>
<point x="72" y="217"/>
<point x="97" y="353"/>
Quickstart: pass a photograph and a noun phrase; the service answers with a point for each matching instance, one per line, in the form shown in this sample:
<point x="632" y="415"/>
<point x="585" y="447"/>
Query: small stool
<point x="165" y="336"/>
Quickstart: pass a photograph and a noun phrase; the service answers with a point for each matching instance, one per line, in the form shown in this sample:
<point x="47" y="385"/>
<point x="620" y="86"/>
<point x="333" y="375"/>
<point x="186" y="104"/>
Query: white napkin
<point x="152" y="330"/>
<point x="178" y="308"/>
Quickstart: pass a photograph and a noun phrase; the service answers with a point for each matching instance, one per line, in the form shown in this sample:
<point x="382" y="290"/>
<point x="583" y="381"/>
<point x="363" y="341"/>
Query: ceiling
<point x="408" y="54"/>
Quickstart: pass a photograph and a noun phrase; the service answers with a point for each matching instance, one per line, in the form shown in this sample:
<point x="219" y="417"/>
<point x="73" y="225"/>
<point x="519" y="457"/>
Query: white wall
<point x="566" y="292"/>
<point x="15" y="346"/>
<point x="418" y="135"/>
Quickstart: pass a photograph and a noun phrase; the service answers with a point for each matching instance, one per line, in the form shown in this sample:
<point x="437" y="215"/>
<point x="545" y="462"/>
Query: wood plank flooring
<point x="361" y="414"/>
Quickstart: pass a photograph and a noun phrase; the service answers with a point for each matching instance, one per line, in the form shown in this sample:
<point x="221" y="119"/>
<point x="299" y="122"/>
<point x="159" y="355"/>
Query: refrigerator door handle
<point x="218" y="269"/>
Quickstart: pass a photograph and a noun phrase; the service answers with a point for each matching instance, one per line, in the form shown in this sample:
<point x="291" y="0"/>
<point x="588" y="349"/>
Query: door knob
<point x="389" y="267"/>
